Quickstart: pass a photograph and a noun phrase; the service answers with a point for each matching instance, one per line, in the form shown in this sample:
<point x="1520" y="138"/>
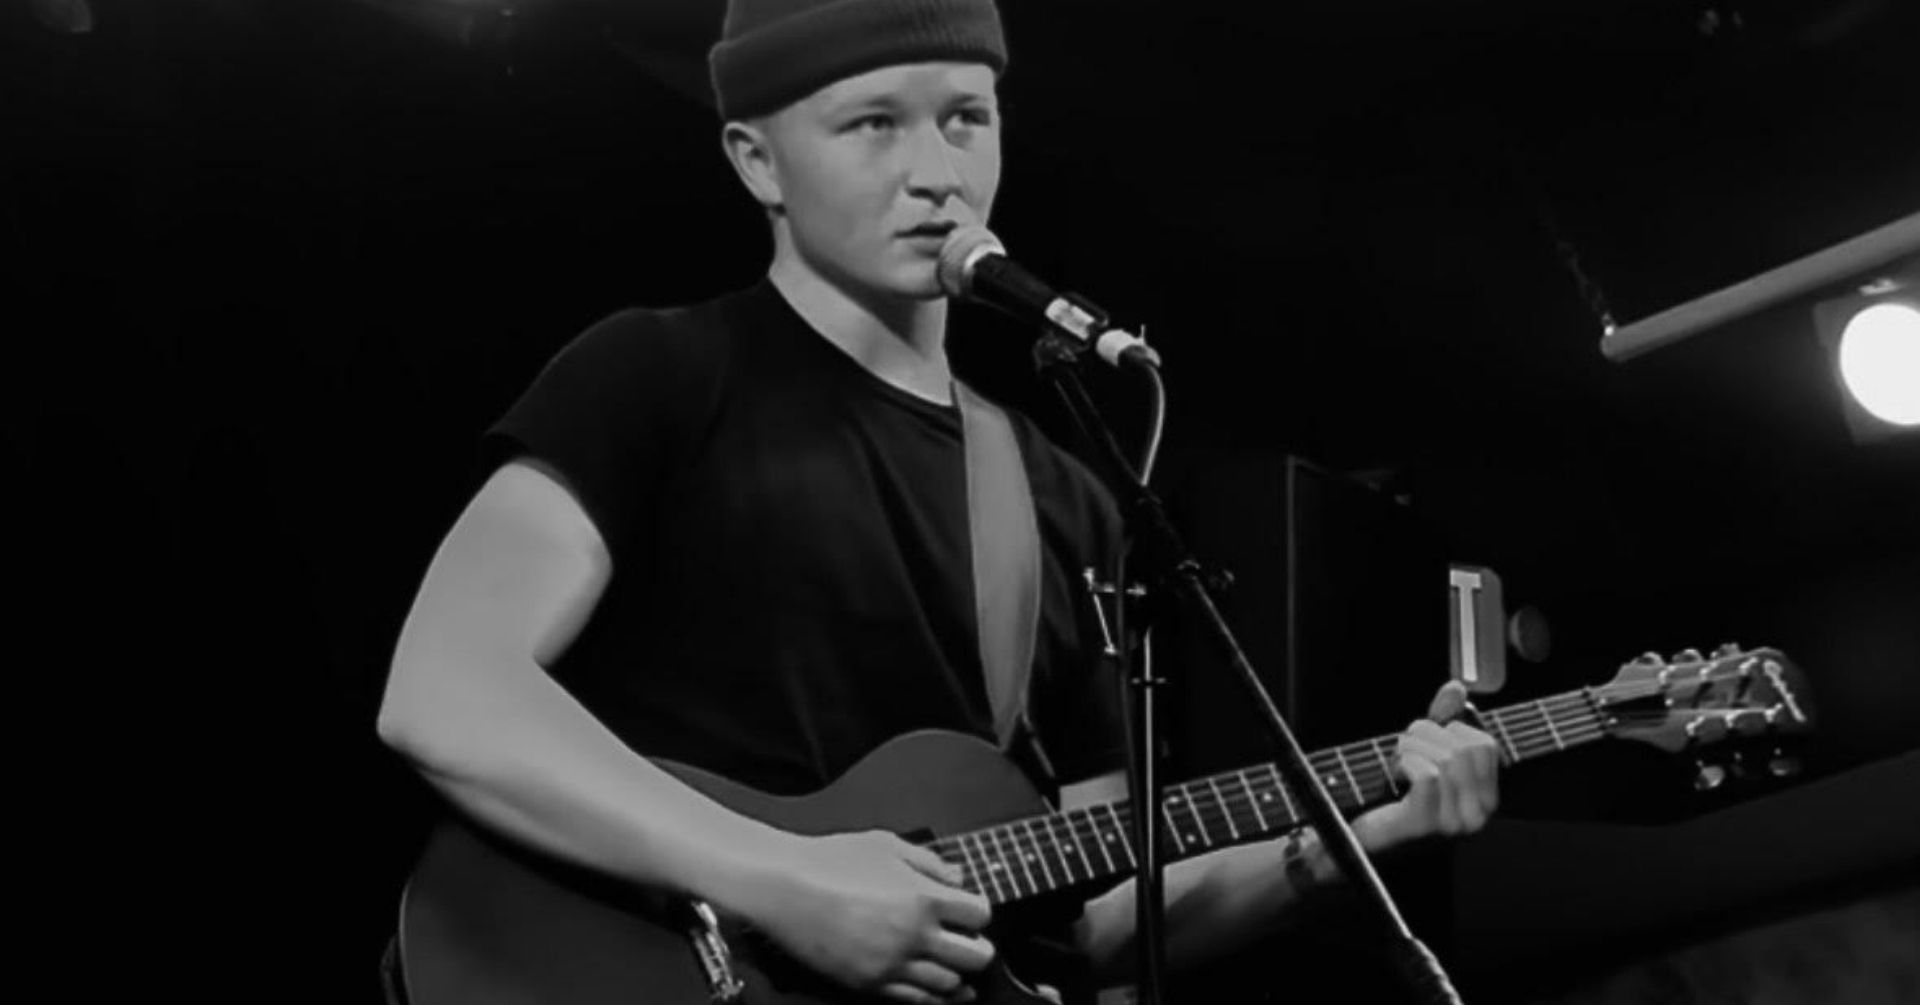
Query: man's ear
<point x="749" y="148"/>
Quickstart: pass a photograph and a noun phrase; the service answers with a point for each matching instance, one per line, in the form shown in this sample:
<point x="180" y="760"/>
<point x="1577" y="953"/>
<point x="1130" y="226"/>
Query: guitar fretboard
<point x="1036" y="855"/>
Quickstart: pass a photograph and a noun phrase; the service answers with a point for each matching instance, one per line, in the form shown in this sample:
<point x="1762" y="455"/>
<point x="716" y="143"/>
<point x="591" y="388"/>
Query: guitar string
<point x="1197" y="801"/>
<point x="1202" y="806"/>
<point x="1526" y="721"/>
<point x="1033" y="850"/>
<point x="1244" y="816"/>
<point x="1575" y="702"/>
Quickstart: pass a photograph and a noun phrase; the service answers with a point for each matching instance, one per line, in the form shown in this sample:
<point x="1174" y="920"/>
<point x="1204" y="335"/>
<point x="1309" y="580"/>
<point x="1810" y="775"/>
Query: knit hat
<point x="774" y="52"/>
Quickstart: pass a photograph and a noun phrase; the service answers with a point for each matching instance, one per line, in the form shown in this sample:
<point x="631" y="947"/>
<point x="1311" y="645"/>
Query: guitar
<point x="484" y="922"/>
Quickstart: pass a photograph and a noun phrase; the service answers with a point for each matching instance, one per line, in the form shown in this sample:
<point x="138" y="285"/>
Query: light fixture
<point x="1866" y="255"/>
<point x="1873" y="338"/>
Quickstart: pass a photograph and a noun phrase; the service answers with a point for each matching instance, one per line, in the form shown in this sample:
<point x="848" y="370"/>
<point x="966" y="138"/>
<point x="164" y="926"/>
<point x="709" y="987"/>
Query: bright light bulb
<point x="1880" y="362"/>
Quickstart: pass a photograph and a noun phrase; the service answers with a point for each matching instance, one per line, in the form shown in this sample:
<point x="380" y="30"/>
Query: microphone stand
<point x="1169" y="561"/>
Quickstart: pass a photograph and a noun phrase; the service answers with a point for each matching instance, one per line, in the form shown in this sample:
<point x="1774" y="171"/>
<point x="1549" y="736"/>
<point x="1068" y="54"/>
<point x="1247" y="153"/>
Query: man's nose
<point x="931" y="171"/>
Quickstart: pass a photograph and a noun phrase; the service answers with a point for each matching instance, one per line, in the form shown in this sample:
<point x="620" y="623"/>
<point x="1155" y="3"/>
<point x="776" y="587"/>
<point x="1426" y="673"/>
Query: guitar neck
<point x="1025" y="858"/>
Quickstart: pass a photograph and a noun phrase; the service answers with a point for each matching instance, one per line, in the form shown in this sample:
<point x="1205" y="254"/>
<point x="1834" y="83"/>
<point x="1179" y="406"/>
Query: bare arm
<point x="469" y="704"/>
<point x="1225" y="900"/>
<point x="1215" y="903"/>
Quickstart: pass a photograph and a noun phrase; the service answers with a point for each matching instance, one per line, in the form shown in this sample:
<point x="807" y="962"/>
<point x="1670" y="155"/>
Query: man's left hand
<point x="1452" y="773"/>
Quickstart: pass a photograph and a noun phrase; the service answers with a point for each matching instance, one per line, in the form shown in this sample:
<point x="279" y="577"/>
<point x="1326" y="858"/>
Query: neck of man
<point x="901" y="341"/>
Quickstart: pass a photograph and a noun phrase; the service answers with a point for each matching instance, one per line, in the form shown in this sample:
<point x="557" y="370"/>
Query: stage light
<point x="1873" y="338"/>
<point x="1880" y="361"/>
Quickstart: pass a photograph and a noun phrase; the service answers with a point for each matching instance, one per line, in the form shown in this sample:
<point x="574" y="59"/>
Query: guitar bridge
<point x="710" y="950"/>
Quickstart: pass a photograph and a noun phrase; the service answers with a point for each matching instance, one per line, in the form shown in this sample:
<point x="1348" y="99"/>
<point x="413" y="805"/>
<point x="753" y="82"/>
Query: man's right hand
<point x="876" y="913"/>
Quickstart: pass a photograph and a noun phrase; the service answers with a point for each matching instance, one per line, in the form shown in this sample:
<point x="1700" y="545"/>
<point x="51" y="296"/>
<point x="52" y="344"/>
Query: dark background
<point x="274" y="266"/>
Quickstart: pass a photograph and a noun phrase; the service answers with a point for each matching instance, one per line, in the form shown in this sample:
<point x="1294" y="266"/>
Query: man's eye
<point x="977" y="117"/>
<point x="875" y="121"/>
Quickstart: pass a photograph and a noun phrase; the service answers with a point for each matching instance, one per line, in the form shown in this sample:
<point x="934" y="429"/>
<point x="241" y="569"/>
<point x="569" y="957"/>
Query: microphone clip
<point x="1083" y="326"/>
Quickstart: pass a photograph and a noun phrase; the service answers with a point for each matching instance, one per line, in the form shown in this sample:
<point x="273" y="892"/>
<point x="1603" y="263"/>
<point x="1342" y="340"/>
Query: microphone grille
<point x="964" y="247"/>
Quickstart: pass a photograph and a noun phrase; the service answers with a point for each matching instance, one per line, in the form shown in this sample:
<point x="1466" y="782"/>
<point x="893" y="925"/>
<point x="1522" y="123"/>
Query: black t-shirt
<point x="791" y="573"/>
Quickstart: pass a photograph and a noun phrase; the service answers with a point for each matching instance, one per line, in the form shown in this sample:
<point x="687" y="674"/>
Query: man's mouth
<point x="930" y="230"/>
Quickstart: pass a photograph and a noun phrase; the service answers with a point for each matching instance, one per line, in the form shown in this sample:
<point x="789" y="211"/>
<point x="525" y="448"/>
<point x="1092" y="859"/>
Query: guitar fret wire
<point x="943" y="847"/>
<point x="1014" y="868"/>
<point x="1101" y="843"/>
<point x="1532" y="732"/>
<point x="1549" y="730"/>
<point x="1067" y="851"/>
<point x="1361" y="782"/>
<point x="1248" y="796"/>
<point x="1386" y="768"/>
<point x="1021" y="856"/>
<point x="1040" y="852"/>
<point x="1196" y="805"/>
<point x="1085" y="856"/>
<point x="1536" y="745"/>
<point x="1500" y="731"/>
<point x="1203" y="837"/>
<point x="1080" y="853"/>
<point x="1120" y="834"/>
<point x="1280" y="784"/>
<point x="1540" y="735"/>
<point x="1559" y="706"/>
<point x="986" y="867"/>
<point x="1029" y="850"/>
<point x="997" y="863"/>
<point x="1253" y="800"/>
<point x="970" y="874"/>
<point x="1037" y="846"/>
<point x="1525" y="729"/>
<point x="1173" y="829"/>
<point x="1286" y="804"/>
<point x="1233" y="830"/>
<point x="1215" y="801"/>
<point x="1207" y="804"/>
<point x="1341" y="757"/>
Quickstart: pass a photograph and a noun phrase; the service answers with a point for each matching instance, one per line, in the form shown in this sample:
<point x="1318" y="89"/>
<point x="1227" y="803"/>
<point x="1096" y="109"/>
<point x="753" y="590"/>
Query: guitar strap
<point x="1006" y="556"/>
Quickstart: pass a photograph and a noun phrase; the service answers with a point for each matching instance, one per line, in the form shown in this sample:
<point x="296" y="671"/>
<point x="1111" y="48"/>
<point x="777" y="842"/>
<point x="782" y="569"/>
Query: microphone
<point x="974" y="266"/>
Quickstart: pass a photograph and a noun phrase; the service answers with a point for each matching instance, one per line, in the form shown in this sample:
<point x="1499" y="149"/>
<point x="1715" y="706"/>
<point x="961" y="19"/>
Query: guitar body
<point x="484" y="922"/>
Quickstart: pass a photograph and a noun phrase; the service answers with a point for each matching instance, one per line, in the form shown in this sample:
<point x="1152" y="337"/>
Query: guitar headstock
<point x="1691" y="701"/>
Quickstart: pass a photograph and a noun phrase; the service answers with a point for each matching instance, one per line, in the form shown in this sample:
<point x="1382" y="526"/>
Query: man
<point x="735" y="535"/>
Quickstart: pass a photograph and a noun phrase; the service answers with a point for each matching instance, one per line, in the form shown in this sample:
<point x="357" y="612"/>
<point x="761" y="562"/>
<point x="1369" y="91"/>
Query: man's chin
<point x="916" y="284"/>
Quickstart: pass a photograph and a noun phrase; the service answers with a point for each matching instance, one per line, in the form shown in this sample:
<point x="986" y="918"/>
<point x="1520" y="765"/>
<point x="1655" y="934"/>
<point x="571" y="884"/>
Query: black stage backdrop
<point x="271" y="269"/>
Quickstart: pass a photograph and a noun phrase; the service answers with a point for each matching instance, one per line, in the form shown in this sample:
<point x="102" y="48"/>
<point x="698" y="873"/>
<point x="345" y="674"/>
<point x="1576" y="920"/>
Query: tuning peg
<point x="1708" y="777"/>
<point x="1783" y="766"/>
<point x="1706" y="729"/>
<point x="1687" y="655"/>
<point x="1648" y="659"/>
<point x="1726" y="649"/>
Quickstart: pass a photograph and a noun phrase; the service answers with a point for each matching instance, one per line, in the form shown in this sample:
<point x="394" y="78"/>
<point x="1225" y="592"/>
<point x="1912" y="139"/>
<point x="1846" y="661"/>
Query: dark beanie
<point x="774" y="52"/>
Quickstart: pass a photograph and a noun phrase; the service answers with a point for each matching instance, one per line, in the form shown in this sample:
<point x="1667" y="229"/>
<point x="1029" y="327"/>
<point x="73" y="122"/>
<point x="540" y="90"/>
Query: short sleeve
<point x="608" y="415"/>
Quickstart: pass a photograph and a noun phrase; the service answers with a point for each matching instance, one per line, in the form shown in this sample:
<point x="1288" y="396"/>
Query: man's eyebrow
<point x="886" y="101"/>
<point x="891" y="103"/>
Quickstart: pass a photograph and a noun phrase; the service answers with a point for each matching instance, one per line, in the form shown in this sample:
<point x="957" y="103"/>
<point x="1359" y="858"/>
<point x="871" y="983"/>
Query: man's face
<point x="864" y="160"/>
